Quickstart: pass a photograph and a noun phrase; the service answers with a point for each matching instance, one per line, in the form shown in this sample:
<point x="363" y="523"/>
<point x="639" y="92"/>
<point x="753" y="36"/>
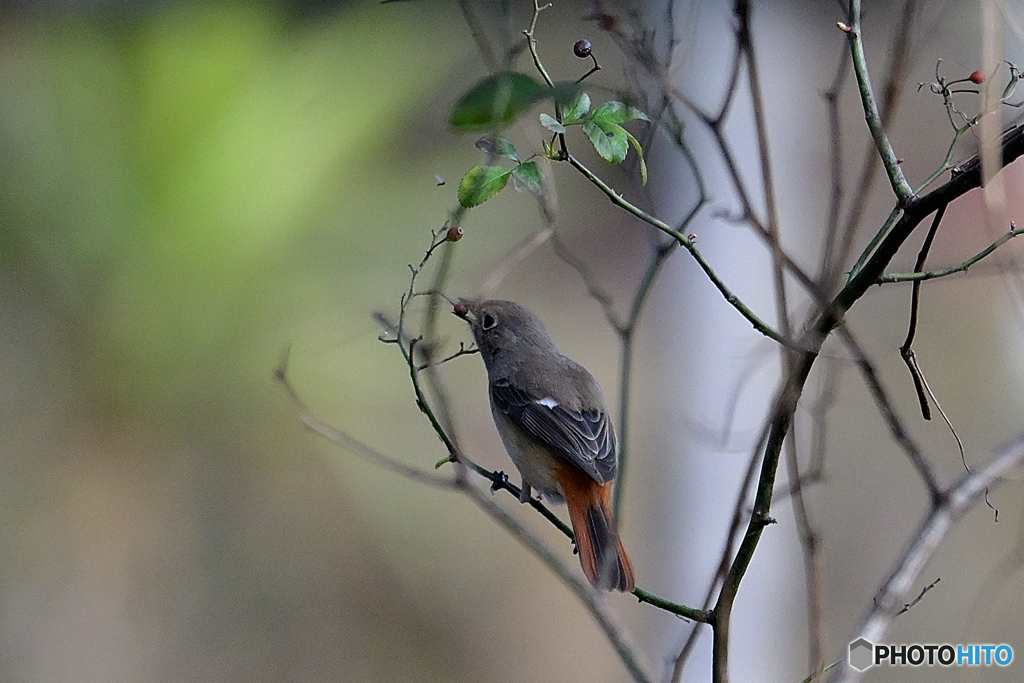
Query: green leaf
<point x="577" y="109"/>
<point x="551" y="124"/>
<point x="640" y="156"/>
<point x="529" y="175"/>
<point x="497" y="101"/>
<point x="617" y="112"/>
<point x="482" y="183"/>
<point x="609" y="139"/>
<point x="498" y="146"/>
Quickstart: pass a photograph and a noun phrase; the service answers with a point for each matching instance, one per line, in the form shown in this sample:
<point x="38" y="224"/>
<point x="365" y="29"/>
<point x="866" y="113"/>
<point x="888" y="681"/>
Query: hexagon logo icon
<point x="861" y="654"/>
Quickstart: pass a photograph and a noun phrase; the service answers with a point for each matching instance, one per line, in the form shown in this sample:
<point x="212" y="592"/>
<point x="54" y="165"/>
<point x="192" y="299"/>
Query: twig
<point x="900" y="187"/>
<point x="899" y="48"/>
<point x="698" y="615"/>
<point x="531" y="43"/>
<point x="463" y="351"/>
<point x="783" y="408"/>
<point x="905" y="350"/>
<point x="921" y="276"/>
<point x="907" y="607"/>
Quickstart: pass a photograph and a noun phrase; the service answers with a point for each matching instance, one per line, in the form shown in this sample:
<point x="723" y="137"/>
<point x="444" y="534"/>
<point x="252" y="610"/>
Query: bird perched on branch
<point x="551" y="416"/>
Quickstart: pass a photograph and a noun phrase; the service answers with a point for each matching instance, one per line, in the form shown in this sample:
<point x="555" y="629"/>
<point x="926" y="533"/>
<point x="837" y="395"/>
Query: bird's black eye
<point x="488" y="321"/>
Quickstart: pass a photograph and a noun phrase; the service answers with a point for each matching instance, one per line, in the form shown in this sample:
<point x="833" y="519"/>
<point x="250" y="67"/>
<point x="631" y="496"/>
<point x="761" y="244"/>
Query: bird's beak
<point x="464" y="309"/>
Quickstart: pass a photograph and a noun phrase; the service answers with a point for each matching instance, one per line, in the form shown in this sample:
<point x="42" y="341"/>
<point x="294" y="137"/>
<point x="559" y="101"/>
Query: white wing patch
<point x="548" y="402"/>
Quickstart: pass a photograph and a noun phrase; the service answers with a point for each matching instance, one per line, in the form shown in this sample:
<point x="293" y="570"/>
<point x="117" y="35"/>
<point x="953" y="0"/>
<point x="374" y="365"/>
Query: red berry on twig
<point x="976" y="77"/>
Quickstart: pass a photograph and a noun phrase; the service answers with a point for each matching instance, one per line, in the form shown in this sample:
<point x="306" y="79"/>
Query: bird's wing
<point x="584" y="438"/>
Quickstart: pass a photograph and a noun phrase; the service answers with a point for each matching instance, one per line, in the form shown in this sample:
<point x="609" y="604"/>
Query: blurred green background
<point x="185" y="189"/>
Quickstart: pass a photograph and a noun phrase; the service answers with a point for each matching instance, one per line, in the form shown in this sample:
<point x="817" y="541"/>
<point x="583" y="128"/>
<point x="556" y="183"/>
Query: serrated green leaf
<point x="617" y="112"/>
<point x="551" y="123"/>
<point x="640" y="156"/>
<point x="482" y="183"/>
<point x="497" y="101"/>
<point x="577" y="109"/>
<point x="529" y="175"/>
<point x="498" y="146"/>
<point x="608" y="139"/>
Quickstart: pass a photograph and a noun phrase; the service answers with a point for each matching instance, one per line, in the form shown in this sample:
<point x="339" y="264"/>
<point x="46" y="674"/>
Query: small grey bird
<point x="551" y="416"/>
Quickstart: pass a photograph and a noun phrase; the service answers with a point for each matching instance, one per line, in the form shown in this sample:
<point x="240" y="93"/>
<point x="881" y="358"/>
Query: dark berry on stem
<point x="582" y="48"/>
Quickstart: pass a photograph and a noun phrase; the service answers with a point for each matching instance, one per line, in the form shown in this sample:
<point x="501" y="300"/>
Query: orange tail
<point x="591" y="516"/>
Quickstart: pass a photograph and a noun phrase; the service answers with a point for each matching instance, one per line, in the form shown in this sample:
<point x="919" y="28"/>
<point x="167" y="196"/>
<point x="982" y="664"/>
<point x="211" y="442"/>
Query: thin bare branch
<point x="905" y="350"/>
<point x="900" y="187"/>
<point x="899" y="48"/>
<point x="920" y="276"/>
<point x="920" y="596"/>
